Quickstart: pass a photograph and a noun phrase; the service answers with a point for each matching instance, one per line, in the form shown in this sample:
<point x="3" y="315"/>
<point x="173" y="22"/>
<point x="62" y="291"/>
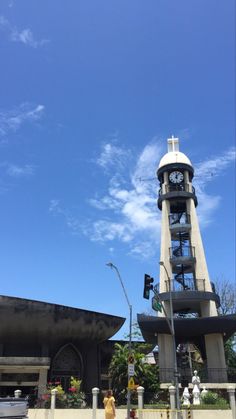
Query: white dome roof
<point x="174" y="157"/>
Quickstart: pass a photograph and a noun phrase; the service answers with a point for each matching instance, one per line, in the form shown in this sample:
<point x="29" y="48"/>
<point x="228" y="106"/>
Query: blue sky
<point x="90" y="91"/>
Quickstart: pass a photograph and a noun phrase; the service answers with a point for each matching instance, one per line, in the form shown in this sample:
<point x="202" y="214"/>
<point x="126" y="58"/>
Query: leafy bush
<point x="210" y="398"/>
<point x="74" y="398"/>
<point x="146" y="375"/>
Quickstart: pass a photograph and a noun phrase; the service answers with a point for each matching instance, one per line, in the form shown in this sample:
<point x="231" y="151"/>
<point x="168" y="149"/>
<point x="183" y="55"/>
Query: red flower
<point x="72" y="389"/>
<point x="45" y="396"/>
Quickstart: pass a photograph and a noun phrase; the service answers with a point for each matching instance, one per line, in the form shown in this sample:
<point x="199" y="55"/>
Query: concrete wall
<point x="195" y="414"/>
<point x="121" y="414"/>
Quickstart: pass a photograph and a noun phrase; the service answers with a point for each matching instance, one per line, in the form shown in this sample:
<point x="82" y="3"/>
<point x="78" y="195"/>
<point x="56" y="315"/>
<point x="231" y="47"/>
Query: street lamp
<point x="172" y="330"/>
<point x="112" y="266"/>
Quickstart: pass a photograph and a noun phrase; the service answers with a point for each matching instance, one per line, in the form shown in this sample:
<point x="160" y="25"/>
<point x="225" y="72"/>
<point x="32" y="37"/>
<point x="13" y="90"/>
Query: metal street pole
<point x="112" y="266"/>
<point x="173" y="340"/>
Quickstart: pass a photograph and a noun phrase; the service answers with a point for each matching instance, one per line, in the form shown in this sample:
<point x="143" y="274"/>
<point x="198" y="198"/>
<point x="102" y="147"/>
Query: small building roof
<point x="191" y="329"/>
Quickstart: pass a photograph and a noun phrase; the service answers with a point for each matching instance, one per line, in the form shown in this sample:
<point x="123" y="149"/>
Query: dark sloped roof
<point x="20" y="317"/>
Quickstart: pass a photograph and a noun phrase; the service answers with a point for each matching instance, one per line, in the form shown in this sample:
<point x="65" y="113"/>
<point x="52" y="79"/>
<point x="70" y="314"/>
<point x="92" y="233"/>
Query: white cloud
<point x="133" y="208"/>
<point x="54" y="206"/>
<point x="133" y="204"/>
<point x="208" y="170"/>
<point x="19" y="171"/>
<point x="135" y="219"/>
<point x="24" y="36"/>
<point x="112" y="156"/>
<point x="128" y="212"/>
<point x="145" y="249"/>
<point x="207" y="205"/>
<point x="103" y="230"/>
<point x="13" y="119"/>
<point x="205" y="172"/>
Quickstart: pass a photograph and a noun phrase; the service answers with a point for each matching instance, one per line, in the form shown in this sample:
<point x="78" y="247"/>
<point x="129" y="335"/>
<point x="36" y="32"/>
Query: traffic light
<point x="148" y="280"/>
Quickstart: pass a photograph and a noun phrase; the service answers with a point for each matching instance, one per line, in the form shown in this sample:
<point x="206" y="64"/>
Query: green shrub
<point x="213" y="398"/>
<point x="74" y="398"/>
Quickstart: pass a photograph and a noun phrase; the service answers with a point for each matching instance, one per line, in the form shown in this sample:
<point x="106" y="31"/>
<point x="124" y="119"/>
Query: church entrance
<point x="67" y="363"/>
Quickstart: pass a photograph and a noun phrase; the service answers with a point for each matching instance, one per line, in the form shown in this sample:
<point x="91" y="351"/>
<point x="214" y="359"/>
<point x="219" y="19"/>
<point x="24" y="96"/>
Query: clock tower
<point x="185" y="289"/>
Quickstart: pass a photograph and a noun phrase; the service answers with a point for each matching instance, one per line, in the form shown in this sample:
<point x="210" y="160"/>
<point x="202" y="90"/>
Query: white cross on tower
<point x="173" y="144"/>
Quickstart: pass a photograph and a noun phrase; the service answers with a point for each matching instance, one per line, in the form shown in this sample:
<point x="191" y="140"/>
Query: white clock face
<point x="176" y="177"/>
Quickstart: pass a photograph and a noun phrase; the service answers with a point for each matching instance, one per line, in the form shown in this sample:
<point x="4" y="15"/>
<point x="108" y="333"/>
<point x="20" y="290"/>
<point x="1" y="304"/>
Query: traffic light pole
<point x="159" y="307"/>
<point x="112" y="266"/>
<point x="172" y="330"/>
<point x="164" y="310"/>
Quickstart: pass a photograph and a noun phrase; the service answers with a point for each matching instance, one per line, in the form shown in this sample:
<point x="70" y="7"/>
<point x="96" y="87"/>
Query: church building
<point x="41" y="342"/>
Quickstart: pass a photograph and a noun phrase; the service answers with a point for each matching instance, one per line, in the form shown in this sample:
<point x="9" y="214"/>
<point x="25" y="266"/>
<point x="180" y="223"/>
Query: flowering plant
<point x="56" y="386"/>
<point x="60" y="395"/>
<point x="74" y="398"/>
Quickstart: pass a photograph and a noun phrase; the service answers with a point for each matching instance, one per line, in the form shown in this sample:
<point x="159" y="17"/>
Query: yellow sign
<point x="131" y="384"/>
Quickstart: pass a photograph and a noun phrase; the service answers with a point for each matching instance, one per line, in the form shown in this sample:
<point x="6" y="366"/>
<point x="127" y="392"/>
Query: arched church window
<point x="66" y="363"/>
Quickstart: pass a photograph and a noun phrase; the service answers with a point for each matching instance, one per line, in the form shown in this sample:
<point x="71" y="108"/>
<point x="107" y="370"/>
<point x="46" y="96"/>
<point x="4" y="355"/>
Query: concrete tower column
<point x="180" y="232"/>
<point x="216" y="364"/>
<point x="186" y="292"/>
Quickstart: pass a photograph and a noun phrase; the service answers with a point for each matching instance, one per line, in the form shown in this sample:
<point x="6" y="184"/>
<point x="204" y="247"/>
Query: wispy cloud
<point x="208" y="170"/>
<point x="54" y="206"/>
<point x="132" y="200"/>
<point x="129" y="207"/>
<point x="27" y="38"/>
<point x="16" y="171"/>
<point x="10" y="171"/>
<point x="73" y="224"/>
<point x="112" y="156"/>
<point x="128" y="212"/>
<point x="13" y="119"/>
<point x="24" y="36"/>
<point x="205" y="172"/>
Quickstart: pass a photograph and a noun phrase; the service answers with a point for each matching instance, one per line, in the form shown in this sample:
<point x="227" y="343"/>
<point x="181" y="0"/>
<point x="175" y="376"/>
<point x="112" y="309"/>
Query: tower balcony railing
<point x="186" y="284"/>
<point x="182" y="187"/>
<point x="179" y="218"/>
<point x="182" y="252"/>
